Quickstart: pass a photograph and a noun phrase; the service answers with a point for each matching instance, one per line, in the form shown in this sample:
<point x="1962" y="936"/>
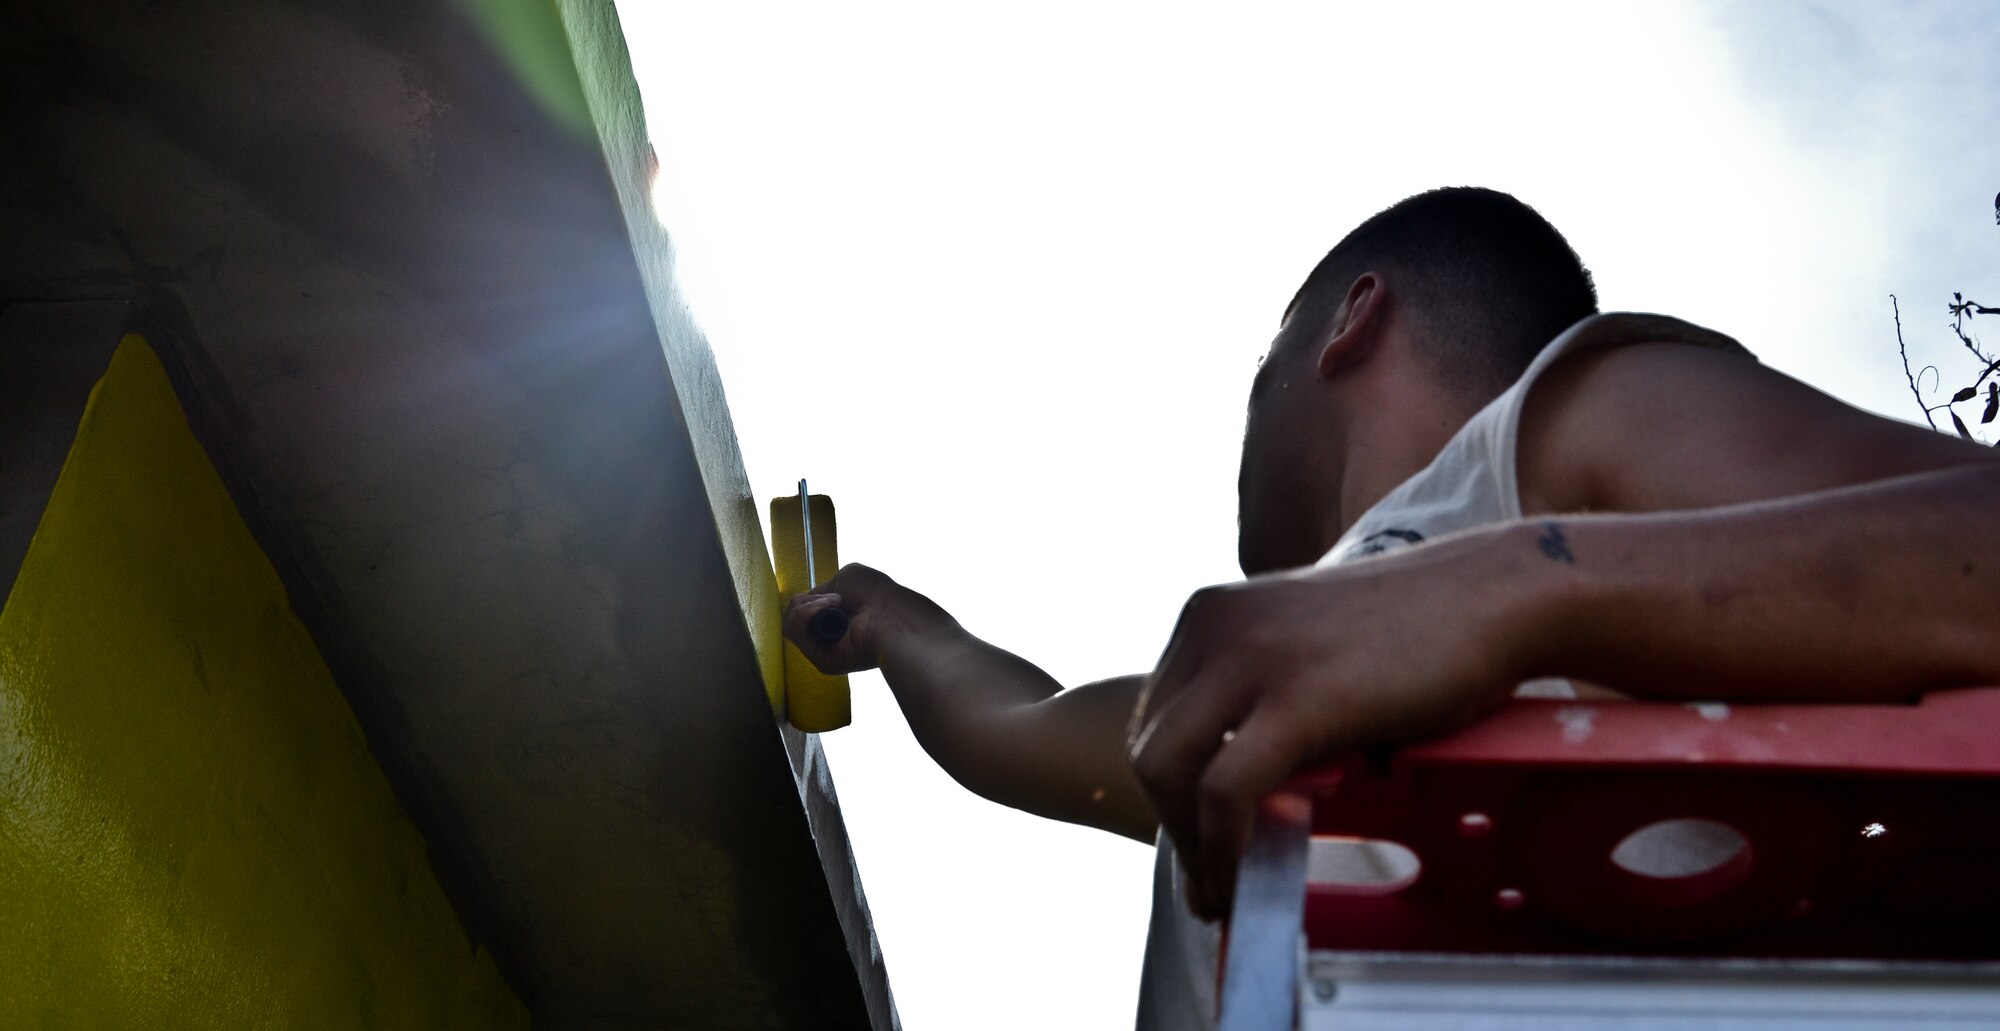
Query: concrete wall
<point x="398" y="263"/>
<point x="192" y="831"/>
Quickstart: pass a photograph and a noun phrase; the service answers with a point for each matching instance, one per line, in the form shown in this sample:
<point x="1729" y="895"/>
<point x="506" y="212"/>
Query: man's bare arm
<point x="1873" y="593"/>
<point x="1818" y="573"/>
<point x="998" y="724"/>
<point x="1802" y="549"/>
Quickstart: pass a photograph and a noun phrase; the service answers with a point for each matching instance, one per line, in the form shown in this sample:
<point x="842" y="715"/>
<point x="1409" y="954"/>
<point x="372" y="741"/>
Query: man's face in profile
<point x="1276" y="528"/>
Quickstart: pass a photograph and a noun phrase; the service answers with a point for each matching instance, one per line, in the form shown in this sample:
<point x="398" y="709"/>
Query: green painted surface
<point x="528" y="36"/>
<point x="192" y="830"/>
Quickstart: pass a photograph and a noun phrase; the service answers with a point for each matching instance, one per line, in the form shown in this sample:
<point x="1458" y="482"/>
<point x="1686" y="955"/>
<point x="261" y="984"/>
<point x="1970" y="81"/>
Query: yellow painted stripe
<point x="192" y="830"/>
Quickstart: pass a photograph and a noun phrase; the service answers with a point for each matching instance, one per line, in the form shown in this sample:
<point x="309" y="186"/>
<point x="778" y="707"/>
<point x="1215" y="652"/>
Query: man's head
<point x="1415" y="319"/>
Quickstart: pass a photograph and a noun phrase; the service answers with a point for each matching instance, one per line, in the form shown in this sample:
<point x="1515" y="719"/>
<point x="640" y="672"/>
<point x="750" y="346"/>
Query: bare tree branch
<point x="1905" y="352"/>
<point x="1971" y="343"/>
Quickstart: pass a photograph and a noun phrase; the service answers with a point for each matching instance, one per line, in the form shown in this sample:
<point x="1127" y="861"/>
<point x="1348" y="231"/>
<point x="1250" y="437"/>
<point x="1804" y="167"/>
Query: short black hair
<point x="1485" y="279"/>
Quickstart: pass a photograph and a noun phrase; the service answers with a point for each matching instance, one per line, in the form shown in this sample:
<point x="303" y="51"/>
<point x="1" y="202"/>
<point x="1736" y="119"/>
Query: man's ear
<point x="1355" y="325"/>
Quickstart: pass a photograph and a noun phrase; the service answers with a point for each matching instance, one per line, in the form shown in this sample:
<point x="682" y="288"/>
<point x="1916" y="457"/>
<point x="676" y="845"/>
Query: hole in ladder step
<point x="1671" y="849"/>
<point x="1360" y="866"/>
<point x="1690" y="860"/>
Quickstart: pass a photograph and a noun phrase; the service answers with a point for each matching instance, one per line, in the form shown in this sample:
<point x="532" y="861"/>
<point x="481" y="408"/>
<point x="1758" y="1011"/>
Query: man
<point x="1659" y="515"/>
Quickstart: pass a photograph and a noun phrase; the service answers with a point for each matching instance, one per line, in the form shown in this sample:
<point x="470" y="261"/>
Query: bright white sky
<point x="996" y="278"/>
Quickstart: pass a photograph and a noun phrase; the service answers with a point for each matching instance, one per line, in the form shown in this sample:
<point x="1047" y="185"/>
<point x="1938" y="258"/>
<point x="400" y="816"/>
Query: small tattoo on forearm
<point x="1553" y="545"/>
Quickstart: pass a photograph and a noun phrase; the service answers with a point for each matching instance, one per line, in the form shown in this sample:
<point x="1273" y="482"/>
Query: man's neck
<point x="1394" y="446"/>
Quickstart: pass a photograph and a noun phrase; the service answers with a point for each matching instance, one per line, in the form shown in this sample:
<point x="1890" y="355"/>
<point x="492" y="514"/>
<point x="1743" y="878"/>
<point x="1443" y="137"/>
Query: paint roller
<point x="803" y="542"/>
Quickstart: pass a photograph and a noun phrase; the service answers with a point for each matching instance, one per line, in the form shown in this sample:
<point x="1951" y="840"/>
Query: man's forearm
<point x="952" y="686"/>
<point x="1869" y="593"/>
<point x="1008" y="731"/>
<point x="992" y="720"/>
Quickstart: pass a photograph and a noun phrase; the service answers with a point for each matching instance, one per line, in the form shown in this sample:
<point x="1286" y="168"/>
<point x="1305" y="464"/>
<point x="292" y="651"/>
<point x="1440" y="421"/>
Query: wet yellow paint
<point x="192" y="830"/>
<point x="814" y="701"/>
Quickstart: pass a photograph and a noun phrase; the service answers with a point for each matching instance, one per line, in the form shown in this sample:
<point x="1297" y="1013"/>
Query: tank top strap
<point x="1474" y="480"/>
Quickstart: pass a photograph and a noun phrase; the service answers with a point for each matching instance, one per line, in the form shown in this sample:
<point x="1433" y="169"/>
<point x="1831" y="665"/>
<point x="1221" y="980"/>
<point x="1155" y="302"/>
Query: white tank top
<point x="1472" y="482"/>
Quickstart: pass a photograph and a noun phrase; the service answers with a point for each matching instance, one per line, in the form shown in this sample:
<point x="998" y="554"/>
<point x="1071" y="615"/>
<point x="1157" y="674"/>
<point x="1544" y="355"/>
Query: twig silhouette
<point x="1897" y="311"/>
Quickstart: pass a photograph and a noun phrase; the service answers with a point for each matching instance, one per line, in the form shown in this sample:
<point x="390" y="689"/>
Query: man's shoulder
<point x="1641" y="365"/>
<point x="1606" y="384"/>
<point x="1622" y="341"/>
<point x="1612" y="328"/>
<point x="1656" y="424"/>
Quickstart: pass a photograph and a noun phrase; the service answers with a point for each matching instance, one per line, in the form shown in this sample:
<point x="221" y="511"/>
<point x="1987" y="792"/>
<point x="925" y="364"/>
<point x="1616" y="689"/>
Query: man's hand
<point x="1872" y="593"/>
<point x="997" y="724"/>
<point x="1755" y="541"/>
<point x="1265" y="676"/>
<point x="869" y="599"/>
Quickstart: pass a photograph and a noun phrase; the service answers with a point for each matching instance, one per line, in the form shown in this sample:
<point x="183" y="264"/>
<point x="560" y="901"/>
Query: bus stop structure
<point x="390" y="636"/>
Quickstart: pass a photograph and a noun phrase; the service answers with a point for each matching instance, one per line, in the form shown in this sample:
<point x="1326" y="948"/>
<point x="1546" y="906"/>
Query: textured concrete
<point x="398" y="260"/>
<point x="192" y="831"/>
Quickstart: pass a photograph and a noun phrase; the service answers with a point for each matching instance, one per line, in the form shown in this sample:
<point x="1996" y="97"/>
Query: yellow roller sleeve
<point x="814" y="701"/>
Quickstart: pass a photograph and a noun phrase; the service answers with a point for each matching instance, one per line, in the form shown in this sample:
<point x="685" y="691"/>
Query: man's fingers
<point x="1179" y="737"/>
<point x="1266" y="749"/>
<point x="1179" y="666"/>
<point x="1151" y="765"/>
<point x="802" y="608"/>
<point x="1179" y="663"/>
<point x="797" y="624"/>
